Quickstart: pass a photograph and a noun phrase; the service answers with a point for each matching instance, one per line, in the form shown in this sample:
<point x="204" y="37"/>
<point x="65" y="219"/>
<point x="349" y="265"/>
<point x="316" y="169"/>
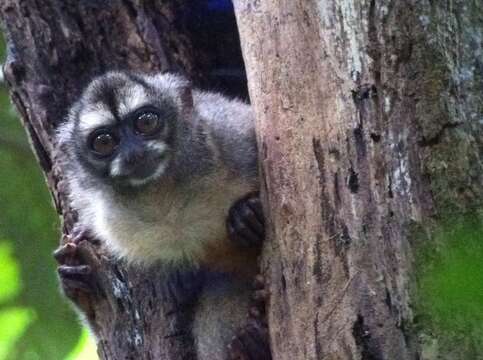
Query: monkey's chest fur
<point x="169" y="225"/>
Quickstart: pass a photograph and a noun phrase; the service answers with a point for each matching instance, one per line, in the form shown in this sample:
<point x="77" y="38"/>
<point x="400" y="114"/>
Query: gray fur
<point x="210" y="161"/>
<point x="215" y="329"/>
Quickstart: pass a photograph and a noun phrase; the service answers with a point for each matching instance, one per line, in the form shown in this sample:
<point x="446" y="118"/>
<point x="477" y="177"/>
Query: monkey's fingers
<point x="244" y="225"/>
<point x="259" y="282"/>
<point x="259" y="299"/>
<point x="64" y="252"/>
<point x="255" y="205"/>
<point x="70" y="254"/>
<point x="252" y="220"/>
<point x="76" y="278"/>
<point x="241" y="234"/>
<point x="74" y="271"/>
<point x="250" y="210"/>
<point x="81" y="233"/>
<point x="251" y="343"/>
<point x="261" y="295"/>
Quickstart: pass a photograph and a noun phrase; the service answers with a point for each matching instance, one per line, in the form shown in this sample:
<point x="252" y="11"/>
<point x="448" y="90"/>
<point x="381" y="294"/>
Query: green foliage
<point x="85" y="348"/>
<point x="9" y="273"/>
<point x="450" y="283"/>
<point x="17" y="320"/>
<point x="35" y="320"/>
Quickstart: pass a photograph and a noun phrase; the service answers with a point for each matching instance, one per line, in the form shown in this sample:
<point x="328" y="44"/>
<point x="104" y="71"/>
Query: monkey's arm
<point x="246" y="228"/>
<point x="230" y="318"/>
<point x="245" y="225"/>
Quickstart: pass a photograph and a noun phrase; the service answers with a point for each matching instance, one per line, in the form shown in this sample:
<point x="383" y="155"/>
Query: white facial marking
<point x="115" y="168"/>
<point x="159" y="171"/>
<point x="95" y="118"/>
<point x="133" y="98"/>
<point x="156" y="146"/>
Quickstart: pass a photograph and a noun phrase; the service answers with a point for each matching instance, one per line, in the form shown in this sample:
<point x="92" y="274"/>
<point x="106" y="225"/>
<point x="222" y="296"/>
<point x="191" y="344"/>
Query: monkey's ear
<point x="177" y="86"/>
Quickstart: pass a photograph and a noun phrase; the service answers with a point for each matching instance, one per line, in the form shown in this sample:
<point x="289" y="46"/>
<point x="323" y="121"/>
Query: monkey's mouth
<point x="142" y="172"/>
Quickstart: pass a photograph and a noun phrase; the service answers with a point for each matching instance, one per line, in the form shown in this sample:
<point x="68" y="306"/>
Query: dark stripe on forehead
<point x="138" y="80"/>
<point x="108" y="90"/>
<point x="108" y="94"/>
<point x="148" y="87"/>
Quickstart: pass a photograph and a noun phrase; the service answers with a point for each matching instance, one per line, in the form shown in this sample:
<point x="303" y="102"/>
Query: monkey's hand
<point x="75" y="274"/>
<point x="246" y="227"/>
<point x="245" y="222"/>
<point x="252" y="341"/>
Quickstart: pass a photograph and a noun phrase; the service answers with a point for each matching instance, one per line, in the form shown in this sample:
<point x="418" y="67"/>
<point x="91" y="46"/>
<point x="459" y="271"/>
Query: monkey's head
<point x="122" y="130"/>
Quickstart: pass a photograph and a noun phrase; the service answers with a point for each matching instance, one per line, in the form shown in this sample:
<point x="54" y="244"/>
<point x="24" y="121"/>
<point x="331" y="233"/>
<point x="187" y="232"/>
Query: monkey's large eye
<point x="103" y="143"/>
<point x="147" y="123"/>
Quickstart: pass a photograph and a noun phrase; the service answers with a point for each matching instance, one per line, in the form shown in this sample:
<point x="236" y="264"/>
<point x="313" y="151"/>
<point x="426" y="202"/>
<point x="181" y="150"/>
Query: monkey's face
<point x="126" y="130"/>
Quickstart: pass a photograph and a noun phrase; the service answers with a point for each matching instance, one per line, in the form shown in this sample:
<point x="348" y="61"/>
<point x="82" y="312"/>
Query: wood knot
<point x="14" y="71"/>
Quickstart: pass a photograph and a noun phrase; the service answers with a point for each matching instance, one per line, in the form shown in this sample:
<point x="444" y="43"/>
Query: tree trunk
<point x="369" y="122"/>
<point x="55" y="47"/>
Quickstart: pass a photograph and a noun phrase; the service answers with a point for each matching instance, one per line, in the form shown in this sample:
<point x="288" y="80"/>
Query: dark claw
<point x="256" y="206"/>
<point x="251" y="217"/>
<point x="245" y="222"/>
<point x="68" y="271"/>
<point x="64" y="252"/>
<point x="259" y="299"/>
<point x="76" y="278"/>
<point x="80" y="233"/>
<point x="260" y="295"/>
<point x="244" y="235"/>
<point x="259" y="282"/>
<point x="251" y="342"/>
<point x="74" y="274"/>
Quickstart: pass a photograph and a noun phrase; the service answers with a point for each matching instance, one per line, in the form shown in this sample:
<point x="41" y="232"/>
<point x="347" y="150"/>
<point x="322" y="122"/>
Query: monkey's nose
<point x="133" y="157"/>
<point x="128" y="164"/>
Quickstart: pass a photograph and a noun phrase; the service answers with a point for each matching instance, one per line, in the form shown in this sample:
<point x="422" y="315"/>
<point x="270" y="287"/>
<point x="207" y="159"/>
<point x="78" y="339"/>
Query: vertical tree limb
<point x="347" y="94"/>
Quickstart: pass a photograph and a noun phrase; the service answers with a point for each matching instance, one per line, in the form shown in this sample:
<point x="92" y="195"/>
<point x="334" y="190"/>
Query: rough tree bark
<point x="54" y="48"/>
<point x="369" y="121"/>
